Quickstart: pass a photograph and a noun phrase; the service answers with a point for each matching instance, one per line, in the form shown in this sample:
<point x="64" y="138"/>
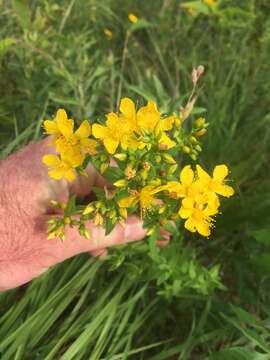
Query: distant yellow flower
<point x="197" y="215"/>
<point x="61" y="167"/>
<point x="114" y="133"/>
<point x="210" y="3"/>
<point x="132" y="18"/>
<point x="216" y="183"/>
<point x="108" y="33"/>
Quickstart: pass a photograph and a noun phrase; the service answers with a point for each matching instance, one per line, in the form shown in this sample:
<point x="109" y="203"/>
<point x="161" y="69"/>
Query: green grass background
<point x="56" y="54"/>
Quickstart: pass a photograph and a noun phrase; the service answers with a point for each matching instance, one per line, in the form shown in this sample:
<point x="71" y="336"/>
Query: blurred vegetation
<point x="56" y="54"/>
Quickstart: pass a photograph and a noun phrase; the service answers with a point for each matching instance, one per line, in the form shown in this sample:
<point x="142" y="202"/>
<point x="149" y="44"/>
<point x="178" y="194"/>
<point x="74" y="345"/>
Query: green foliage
<point x="55" y="54"/>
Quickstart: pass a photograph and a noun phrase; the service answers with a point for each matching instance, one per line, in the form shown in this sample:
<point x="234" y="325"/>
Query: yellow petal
<point x="165" y="140"/>
<point x="51" y="160"/>
<point x="51" y="127"/>
<point x="202" y="174"/>
<point x="73" y="157"/>
<point x="84" y="131"/>
<point x="89" y="146"/>
<point x="220" y="172"/>
<point x="64" y="124"/>
<point x="224" y="190"/>
<point x="70" y="175"/>
<point x="128" y="202"/>
<point x="184" y="213"/>
<point x="187" y="175"/>
<point x="127" y="108"/>
<point x="100" y="131"/>
<point x="190" y="225"/>
<point x="167" y="123"/>
<point x="57" y="173"/>
<point x="188" y="203"/>
<point x="111" y="145"/>
<point x="112" y="121"/>
<point x="203" y="228"/>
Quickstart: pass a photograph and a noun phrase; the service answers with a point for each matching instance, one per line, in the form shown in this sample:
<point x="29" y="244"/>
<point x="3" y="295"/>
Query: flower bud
<point x="120" y="156"/>
<point x="84" y="232"/>
<point x="155" y="182"/>
<point x="198" y="148"/>
<point x="200" y="132"/>
<point x="123" y="212"/>
<point x="103" y="167"/>
<point x="172" y="169"/>
<point x="169" y="159"/>
<point x="98" y="219"/>
<point x="200" y="122"/>
<point x="120" y="183"/>
<point x="67" y="220"/>
<point x="158" y="159"/>
<point x="193" y="140"/>
<point x="88" y="209"/>
<point x="186" y="149"/>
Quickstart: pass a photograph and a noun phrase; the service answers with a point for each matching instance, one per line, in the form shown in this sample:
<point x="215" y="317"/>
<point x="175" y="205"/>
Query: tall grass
<point x="56" y="54"/>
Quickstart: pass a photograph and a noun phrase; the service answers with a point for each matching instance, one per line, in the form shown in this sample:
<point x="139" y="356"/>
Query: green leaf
<point x="262" y="236"/>
<point x="5" y="44"/>
<point x="23" y="12"/>
<point x="198" y="6"/>
<point x="261" y="263"/>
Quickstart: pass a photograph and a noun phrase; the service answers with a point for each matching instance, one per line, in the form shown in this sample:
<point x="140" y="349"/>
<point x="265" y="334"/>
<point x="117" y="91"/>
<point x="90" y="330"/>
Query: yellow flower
<point x="210" y="3"/>
<point x="187" y="187"/>
<point x="61" y="167"/>
<point x="197" y="215"/>
<point x="144" y="197"/>
<point x="65" y="139"/>
<point x="108" y="33"/>
<point x="147" y="119"/>
<point x="60" y="126"/>
<point x="132" y="18"/>
<point x="216" y="183"/>
<point x="114" y="133"/>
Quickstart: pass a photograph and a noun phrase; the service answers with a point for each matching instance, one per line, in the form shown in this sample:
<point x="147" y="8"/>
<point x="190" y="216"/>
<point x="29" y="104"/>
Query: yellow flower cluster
<point x="130" y="127"/>
<point x="71" y="146"/>
<point x="199" y="196"/>
<point x="144" y="145"/>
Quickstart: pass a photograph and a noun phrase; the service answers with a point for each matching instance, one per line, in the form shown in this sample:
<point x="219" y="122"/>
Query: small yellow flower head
<point x="132" y="18"/>
<point x="108" y="33"/>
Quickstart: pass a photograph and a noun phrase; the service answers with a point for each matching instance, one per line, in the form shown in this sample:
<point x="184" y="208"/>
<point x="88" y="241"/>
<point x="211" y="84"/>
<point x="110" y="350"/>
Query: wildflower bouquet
<point x="139" y="152"/>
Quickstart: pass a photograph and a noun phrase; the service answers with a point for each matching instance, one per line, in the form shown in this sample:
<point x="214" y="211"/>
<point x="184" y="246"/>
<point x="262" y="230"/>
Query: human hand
<point x="26" y="191"/>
